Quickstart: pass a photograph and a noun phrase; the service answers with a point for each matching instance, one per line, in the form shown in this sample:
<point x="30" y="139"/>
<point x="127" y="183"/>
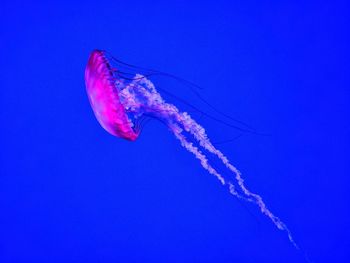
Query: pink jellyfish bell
<point x="104" y="97"/>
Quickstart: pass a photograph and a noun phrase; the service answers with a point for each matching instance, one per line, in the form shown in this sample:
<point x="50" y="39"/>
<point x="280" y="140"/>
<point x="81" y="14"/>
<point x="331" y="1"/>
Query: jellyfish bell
<point x="104" y="98"/>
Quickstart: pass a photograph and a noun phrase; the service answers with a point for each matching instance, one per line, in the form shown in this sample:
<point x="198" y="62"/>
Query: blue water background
<point x="70" y="192"/>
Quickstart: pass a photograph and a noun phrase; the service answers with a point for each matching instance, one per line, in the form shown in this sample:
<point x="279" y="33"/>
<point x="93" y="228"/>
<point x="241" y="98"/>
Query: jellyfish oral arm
<point x="141" y="98"/>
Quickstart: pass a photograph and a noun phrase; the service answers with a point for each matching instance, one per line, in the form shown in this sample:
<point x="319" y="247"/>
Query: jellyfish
<point x="121" y="104"/>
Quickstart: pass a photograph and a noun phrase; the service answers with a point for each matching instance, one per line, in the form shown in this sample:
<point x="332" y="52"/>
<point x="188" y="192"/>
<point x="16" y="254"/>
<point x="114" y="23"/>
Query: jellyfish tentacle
<point x="200" y="135"/>
<point x="199" y="155"/>
<point x="141" y="96"/>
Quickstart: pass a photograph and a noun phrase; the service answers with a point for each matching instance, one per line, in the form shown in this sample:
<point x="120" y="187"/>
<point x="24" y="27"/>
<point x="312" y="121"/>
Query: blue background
<point x="70" y="192"/>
